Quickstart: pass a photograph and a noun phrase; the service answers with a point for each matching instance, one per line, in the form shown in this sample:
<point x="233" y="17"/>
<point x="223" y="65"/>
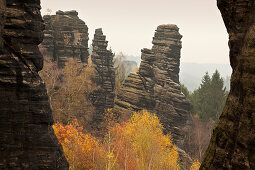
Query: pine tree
<point x="219" y="93"/>
<point x="209" y="99"/>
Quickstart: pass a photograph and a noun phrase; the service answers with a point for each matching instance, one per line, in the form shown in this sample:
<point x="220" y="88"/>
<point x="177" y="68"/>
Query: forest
<point x="136" y="143"/>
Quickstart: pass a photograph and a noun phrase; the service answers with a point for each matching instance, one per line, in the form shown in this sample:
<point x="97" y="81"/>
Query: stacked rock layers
<point x="65" y="36"/>
<point x="156" y="86"/>
<point x="102" y="59"/>
<point x="27" y="140"/>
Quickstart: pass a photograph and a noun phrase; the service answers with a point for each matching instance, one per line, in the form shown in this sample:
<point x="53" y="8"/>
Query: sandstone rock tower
<point x="232" y="145"/>
<point x="65" y="36"/>
<point x="103" y="98"/>
<point x="156" y="85"/>
<point x="27" y="140"/>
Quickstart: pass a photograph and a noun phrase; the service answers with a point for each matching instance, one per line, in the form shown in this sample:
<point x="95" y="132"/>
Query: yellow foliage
<point x="195" y="165"/>
<point x="141" y="142"/>
<point x="136" y="144"/>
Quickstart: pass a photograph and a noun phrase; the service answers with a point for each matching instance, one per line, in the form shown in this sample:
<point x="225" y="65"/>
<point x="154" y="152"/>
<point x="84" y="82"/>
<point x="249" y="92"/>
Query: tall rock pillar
<point x="27" y="140"/>
<point x="156" y="86"/>
<point x="65" y="36"/>
<point x="103" y="98"/>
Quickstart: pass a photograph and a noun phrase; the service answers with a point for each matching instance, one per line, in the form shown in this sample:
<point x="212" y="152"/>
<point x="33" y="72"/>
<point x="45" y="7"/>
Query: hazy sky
<point x="129" y="25"/>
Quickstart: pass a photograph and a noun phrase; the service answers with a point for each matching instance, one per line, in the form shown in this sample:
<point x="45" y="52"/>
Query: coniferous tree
<point x="209" y="99"/>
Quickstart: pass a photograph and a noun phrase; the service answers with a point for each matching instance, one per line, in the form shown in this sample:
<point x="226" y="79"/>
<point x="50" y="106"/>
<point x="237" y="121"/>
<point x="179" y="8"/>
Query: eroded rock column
<point x="65" y="36"/>
<point x="102" y="59"/>
<point x="156" y="85"/>
<point x="27" y="140"/>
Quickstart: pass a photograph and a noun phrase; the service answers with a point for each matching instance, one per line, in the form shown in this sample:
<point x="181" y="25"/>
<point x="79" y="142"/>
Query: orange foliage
<point x="136" y="144"/>
<point x="82" y="151"/>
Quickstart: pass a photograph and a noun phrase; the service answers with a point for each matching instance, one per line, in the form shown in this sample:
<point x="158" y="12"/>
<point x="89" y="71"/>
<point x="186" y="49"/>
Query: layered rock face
<point x="2" y="10"/>
<point x="156" y="85"/>
<point x="27" y="140"/>
<point x="103" y="98"/>
<point x="65" y="36"/>
<point x="232" y="145"/>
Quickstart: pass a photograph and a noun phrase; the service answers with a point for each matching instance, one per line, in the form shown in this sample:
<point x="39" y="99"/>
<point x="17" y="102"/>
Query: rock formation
<point x="65" y="36"/>
<point x="156" y="85"/>
<point x="232" y="145"/>
<point x="103" y="98"/>
<point x="27" y="140"/>
<point x="2" y="10"/>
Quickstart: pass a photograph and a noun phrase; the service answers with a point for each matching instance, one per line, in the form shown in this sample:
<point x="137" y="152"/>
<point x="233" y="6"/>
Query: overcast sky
<point x="129" y="25"/>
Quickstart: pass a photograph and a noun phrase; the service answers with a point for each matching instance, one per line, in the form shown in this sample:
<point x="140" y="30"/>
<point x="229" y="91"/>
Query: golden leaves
<point x="136" y="144"/>
<point x="81" y="150"/>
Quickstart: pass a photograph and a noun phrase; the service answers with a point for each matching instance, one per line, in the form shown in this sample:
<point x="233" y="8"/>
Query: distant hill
<point x="192" y="73"/>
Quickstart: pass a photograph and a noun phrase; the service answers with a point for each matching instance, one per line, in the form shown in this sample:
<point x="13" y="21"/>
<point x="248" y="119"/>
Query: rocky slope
<point x="156" y="85"/>
<point x="65" y="36"/>
<point x="103" y="98"/>
<point x="233" y="142"/>
<point x="27" y="140"/>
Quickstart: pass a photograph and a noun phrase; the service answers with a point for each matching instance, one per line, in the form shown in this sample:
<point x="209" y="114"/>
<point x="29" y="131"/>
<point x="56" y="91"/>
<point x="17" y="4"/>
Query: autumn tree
<point x="141" y="144"/>
<point x="199" y="137"/>
<point x="120" y="71"/>
<point x="82" y="151"/>
<point x="136" y="144"/>
<point x="69" y="89"/>
<point x="51" y="76"/>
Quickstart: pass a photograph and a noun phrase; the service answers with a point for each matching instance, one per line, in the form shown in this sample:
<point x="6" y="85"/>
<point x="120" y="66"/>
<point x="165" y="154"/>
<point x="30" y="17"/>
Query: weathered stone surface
<point x="27" y="140"/>
<point x="156" y="86"/>
<point x="232" y="145"/>
<point x="2" y="10"/>
<point x="65" y="36"/>
<point x="103" y="98"/>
